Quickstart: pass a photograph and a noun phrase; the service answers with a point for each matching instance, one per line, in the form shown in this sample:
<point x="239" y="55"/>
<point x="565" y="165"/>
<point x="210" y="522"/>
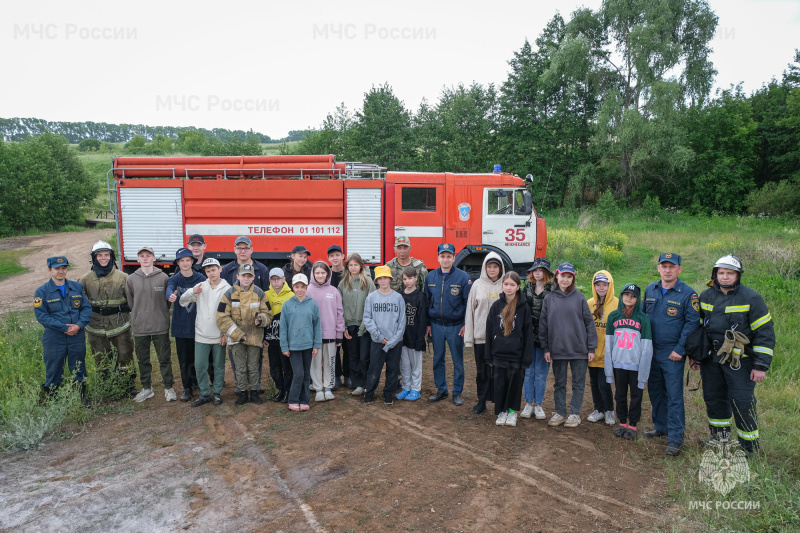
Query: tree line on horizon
<point x="18" y="129"/>
<point x="612" y="104"/>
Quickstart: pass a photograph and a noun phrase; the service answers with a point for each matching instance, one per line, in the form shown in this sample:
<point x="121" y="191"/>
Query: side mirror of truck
<point x="526" y="198"/>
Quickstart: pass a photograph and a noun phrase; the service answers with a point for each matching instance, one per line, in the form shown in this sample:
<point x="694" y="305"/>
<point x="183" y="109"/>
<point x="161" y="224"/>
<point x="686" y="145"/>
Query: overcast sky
<point x="278" y="67"/>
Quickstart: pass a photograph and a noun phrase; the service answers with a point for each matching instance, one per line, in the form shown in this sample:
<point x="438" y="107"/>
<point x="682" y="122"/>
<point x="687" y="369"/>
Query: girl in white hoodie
<point x="485" y="291"/>
<point x="209" y="341"/>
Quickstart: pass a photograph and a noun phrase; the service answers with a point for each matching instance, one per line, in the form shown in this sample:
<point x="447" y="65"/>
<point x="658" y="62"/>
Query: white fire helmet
<point x="101" y="246"/>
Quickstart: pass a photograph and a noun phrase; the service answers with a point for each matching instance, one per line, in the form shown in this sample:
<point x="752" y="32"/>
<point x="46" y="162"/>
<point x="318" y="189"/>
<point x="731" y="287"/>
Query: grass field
<point x="9" y="263"/>
<point x="629" y="249"/>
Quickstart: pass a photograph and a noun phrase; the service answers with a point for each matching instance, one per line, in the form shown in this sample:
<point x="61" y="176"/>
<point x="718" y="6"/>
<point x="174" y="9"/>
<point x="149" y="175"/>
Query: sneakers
<point x="304" y="407"/>
<point x="630" y="433"/>
<point x="573" y="421"/>
<point x="143" y="395"/>
<point x="403" y="394"/>
<point x="187" y="395"/>
<point x="556" y="420"/>
<point x="538" y="412"/>
<point x="202" y="400"/>
<point x="294" y="406"/>
<point x="620" y="431"/>
<point x="170" y="395"/>
<point x="511" y="419"/>
<point x="501" y="419"/>
<point x="413" y="396"/>
<point x="654" y="434"/>
<point x="596" y="416"/>
<point x="527" y="411"/>
<point x="479" y="408"/>
<point x="388" y="401"/>
<point x="358" y="391"/>
<point x="368" y="401"/>
<point x="610" y="418"/>
<point x="457" y="399"/>
<point x="320" y="397"/>
<point x="217" y="400"/>
<point x="329" y="395"/>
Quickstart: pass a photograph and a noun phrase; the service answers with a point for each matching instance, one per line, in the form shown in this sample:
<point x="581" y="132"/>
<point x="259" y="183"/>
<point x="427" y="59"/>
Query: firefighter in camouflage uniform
<point x="740" y="328"/>
<point x="109" y="330"/>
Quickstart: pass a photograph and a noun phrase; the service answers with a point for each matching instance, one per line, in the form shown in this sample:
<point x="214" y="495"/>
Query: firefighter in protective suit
<point x="109" y="330"/>
<point x="740" y="328"/>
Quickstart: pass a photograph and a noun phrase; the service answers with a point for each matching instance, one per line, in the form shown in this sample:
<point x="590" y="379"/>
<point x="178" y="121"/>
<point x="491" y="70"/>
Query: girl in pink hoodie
<point x="331" y="314"/>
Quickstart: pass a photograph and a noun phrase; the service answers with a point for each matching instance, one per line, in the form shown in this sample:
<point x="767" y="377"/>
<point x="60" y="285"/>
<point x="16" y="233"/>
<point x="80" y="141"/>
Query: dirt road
<point x="343" y="466"/>
<point x="16" y="292"/>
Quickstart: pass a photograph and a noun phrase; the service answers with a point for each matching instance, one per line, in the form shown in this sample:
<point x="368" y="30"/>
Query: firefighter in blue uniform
<point x="674" y="312"/>
<point x="730" y="309"/>
<point x="63" y="309"/>
<point x="447" y="289"/>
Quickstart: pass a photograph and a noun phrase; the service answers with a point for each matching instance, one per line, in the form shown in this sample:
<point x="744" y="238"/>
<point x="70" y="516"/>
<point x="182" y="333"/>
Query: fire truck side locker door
<point x="364" y="220"/>
<point x="151" y="216"/>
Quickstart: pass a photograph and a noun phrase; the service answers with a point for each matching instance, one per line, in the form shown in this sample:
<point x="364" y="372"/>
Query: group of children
<point x="517" y="334"/>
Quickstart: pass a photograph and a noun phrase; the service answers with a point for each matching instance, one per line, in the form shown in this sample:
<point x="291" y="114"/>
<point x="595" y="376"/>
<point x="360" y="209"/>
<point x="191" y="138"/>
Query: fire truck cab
<point x="282" y="201"/>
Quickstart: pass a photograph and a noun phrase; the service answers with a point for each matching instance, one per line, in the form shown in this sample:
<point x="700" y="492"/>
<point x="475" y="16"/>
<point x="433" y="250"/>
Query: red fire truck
<point x="313" y="200"/>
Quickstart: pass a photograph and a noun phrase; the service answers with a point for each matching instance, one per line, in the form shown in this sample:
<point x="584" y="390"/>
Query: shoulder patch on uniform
<point x="37" y="302"/>
<point x="76" y="303"/>
<point x="695" y="304"/>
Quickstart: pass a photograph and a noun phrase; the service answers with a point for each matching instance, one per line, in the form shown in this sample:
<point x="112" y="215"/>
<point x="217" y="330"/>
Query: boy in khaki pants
<point x="242" y="314"/>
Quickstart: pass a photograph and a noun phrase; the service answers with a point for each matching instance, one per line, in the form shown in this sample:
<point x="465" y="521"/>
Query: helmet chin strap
<point x="727" y="286"/>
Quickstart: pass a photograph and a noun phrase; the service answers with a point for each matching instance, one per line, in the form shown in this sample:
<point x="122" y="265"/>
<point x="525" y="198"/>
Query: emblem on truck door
<point x="463" y="211"/>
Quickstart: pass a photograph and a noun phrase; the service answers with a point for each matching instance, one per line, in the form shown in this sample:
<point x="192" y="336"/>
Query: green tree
<point x="653" y="59"/>
<point x="382" y="130"/>
<point x="190" y="142"/>
<point x="89" y="145"/>
<point x="136" y="145"/>
<point x="42" y="185"/>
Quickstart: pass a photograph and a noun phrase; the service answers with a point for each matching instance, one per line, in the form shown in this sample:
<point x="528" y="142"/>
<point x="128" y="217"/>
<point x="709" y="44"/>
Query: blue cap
<point x="57" y="261"/>
<point x="446" y="247"/>
<point x="600" y="277"/>
<point x="184" y="252"/>
<point x="565" y="268"/>
<point x="675" y="259"/>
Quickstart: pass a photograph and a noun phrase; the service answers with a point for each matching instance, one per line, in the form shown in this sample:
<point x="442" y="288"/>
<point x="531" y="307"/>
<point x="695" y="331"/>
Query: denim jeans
<point x="536" y="378"/>
<point x="301" y="376"/>
<point x="449" y="335"/>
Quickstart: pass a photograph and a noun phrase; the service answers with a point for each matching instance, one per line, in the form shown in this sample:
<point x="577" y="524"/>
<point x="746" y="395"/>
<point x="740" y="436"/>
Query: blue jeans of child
<point x="536" y="378"/>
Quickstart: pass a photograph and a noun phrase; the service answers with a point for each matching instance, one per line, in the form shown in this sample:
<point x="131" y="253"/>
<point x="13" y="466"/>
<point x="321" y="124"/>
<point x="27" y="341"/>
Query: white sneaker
<point x="320" y="397"/>
<point x="511" y="419"/>
<point x="573" y="421"/>
<point x="596" y="416"/>
<point x="610" y="418"/>
<point x="170" y="395"/>
<point x="143" y="395"/>
<point x="527" y="411"/>
<point x="329" y="395"/>
<point x="538" y="412"/>
<point x="556" y="420"/>
<point x="358" y="391"/>
<point x="501" y="419"/>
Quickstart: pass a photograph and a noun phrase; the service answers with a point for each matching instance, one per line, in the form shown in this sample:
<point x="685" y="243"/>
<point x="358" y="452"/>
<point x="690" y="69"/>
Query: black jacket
<point x="288" y="273"/>
<point x="516" y="350"/>
<point x="744" y="309"/>
<point x="416" y="320"/>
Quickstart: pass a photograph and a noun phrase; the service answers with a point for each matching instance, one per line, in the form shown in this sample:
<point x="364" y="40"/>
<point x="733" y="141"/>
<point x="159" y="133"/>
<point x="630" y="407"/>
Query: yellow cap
<point x="383" y="272"/>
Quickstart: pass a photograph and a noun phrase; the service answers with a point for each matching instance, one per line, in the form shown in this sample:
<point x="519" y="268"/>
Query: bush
<point x="776" y="199"/>
<point x="587" y="250"/>
<point x="43" y="185"/>
<point x="607" y="207"/>
<point x="651" y="208"/>
<point x="89" y="145"/>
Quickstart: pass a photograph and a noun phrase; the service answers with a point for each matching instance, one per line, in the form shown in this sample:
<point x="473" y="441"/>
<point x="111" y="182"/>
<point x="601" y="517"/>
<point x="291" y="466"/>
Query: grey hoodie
<point x="566" y="327"/>
<point x="385" y="317"/>
<point x="483" y="294"/>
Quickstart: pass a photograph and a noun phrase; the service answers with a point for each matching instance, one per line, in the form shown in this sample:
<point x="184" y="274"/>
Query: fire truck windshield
<point x="505" y="201"/>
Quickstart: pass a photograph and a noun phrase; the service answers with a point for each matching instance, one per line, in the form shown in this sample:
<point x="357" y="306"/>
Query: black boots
<point x="243" y="398"/>
<point x="255" y="398"/>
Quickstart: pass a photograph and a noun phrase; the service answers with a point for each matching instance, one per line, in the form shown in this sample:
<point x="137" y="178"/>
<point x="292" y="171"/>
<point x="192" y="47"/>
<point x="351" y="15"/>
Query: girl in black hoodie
<point x="509" y="348"/>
